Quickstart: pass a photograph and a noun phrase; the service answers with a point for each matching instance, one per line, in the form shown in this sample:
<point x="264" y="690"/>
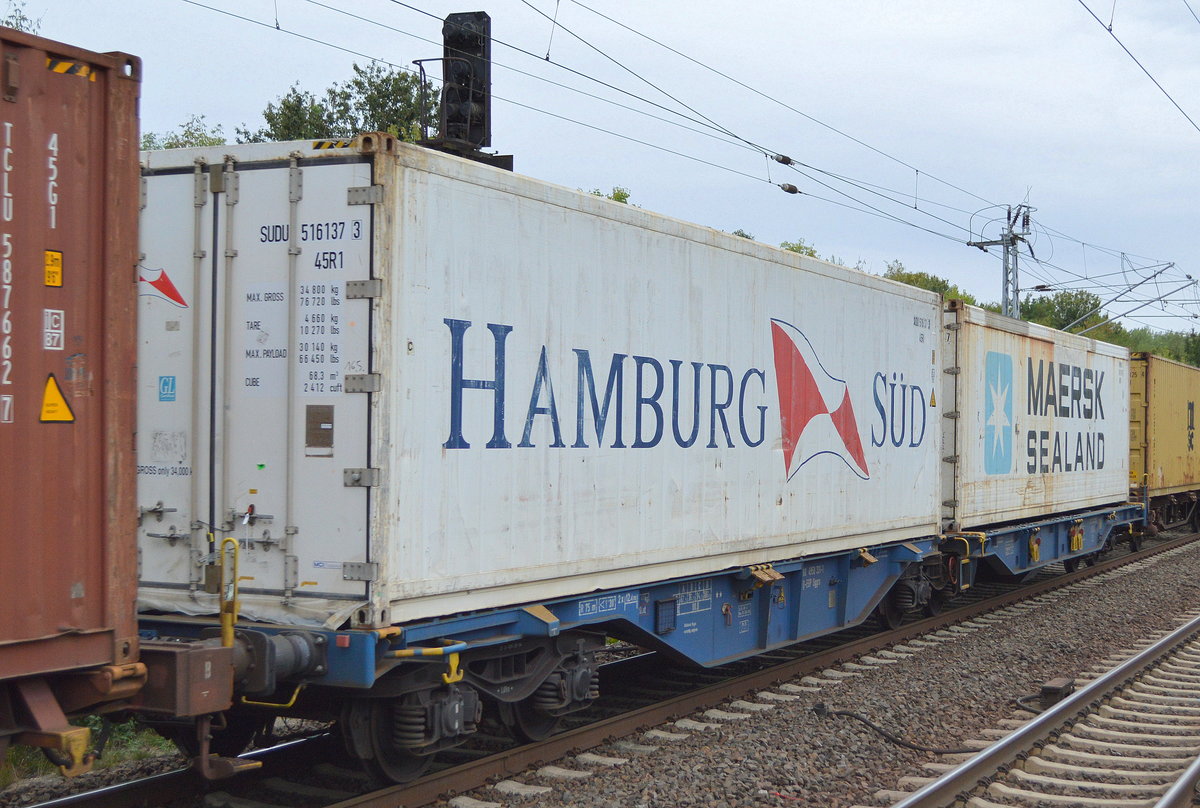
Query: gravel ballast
<point x="950" y="689"/>
<point x="938" y="691"/>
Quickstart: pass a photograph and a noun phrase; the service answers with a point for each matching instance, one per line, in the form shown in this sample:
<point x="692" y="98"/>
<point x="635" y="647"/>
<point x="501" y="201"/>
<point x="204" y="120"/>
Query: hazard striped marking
<point x="69" y="68"/>
<point x="330" y="144"/>
<point x="55" y="409"/>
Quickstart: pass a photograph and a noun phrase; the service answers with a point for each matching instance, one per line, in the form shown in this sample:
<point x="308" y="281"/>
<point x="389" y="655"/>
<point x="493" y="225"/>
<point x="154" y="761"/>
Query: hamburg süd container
<point x="1163" y="454"/>
<point x="1038" y="420"/>
<point x="68" y="261"/>
<point x="412" y="385"/>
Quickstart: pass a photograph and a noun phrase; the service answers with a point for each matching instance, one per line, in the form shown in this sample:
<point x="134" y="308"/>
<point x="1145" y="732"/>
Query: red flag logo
<point x="816" y="415"/>
<point x="160" y="286"/>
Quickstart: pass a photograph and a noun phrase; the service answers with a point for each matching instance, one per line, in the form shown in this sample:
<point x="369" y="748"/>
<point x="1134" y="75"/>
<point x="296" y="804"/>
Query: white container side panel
<point x="170" y="459"/>
<point x="580" y="394"/>
<point x="1043" y="423"/>
<point x="282" y="429"/>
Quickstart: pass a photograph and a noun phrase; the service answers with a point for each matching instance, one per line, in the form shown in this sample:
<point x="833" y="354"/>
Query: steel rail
<point x="978" y="770"/>
<point x="1182" y="793"/>
<point x="162" y="788"/>
<point x="477" y="773"/>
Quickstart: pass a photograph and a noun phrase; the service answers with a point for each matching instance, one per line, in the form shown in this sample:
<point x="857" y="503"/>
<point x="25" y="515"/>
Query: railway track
<point x="639" y="693"/>
<point x="1130" y="738"/>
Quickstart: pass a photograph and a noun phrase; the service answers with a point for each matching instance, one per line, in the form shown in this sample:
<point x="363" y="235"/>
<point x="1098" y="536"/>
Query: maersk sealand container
<point x="1041" y="421"/>
<point x="412" y="385"/>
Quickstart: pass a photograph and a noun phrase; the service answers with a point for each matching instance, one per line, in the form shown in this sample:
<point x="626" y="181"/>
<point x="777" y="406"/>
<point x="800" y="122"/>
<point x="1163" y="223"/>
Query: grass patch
<point x="127" y="741"/>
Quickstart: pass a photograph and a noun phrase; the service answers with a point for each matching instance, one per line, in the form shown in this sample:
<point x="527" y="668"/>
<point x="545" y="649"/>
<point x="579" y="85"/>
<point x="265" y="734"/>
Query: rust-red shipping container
<point x="69" y="193"/>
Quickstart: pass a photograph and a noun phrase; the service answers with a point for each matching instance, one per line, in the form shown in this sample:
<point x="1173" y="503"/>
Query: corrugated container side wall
<point x="1138" y="418"/>
<point x="1171" y="463"/>
<point x="68" y="219"/>
<point x="1042" y="420"/>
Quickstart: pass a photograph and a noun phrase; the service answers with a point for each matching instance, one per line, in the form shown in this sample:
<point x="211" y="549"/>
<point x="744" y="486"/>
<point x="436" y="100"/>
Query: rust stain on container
<point x="68" y="254"/>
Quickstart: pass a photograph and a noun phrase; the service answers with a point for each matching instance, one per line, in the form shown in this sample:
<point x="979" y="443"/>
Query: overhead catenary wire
<point x="1149" y="75"/>
<point x="865" y="206"/>
<point x="705" y="132"/>
<point x="714" y="133"/>
<point x="1191" y="10"/>
<point x="861" y="186"/>
<point x="756" y="91"/>
<point x="892" y="196"/>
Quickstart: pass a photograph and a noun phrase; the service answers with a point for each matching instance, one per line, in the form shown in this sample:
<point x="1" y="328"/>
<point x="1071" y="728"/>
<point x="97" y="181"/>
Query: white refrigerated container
<point x="1041" y="420"/>
<point x="413" y="385"/>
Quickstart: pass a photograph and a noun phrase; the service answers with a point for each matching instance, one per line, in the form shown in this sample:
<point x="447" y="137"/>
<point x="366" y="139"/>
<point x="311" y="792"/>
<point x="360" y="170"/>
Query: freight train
<point x="414" y="435"/>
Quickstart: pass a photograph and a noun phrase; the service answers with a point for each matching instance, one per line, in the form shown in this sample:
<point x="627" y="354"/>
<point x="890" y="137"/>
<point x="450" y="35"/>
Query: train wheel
<point x="937" y="602"/>
<point x="1070" y="564"/>
<point x="890" y="615"/>
<point x="389" y="763"/>
<point x="526" y="722"/>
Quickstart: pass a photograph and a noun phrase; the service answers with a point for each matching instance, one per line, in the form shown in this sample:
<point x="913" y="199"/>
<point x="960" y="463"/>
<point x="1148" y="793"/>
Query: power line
<point x="1139" y="64"/>
<point x="1189" y="8"/>
<point x="858" y="205"/>
<point x="720" y="128"/>
<point x="328" y="44"/>
<point x="783" y="104"/>
<point x="860" y="185"/>
<point x="534" y="76"/>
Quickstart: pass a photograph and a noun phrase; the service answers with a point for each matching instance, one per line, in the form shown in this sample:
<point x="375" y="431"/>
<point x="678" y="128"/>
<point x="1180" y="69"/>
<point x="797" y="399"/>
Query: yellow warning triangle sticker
<point x="932" y="398"/>
<point x="55" y="409"/>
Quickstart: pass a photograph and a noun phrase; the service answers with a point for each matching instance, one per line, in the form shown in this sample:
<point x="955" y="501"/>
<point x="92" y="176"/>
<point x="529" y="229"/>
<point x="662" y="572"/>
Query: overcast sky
<point x="1016" y="101"/>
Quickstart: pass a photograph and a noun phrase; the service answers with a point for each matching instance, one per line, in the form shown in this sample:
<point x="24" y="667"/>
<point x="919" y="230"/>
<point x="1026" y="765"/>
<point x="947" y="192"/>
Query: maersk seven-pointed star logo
<point x="997" y="430"/>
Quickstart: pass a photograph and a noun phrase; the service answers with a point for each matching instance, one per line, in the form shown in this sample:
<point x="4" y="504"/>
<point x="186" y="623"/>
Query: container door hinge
<point x="291" y="571"/>
<point x="952" y="326"/>
<point x="364" y="290"/>
<point x="950" y="459"/>
<point x="200" y="186"/>
<point x="364" y="195"/>
<point x="359" y="570"/>
<point x="363" y="382"/>
<point x="360" y="478"/>
<point x="951" y="414"/>
<point x="142" y="195"/>
<point x="295" y="183"/>
<point x="950" y="503"/>
<point x="231" y="189"/>
<point x="953" y="371"/>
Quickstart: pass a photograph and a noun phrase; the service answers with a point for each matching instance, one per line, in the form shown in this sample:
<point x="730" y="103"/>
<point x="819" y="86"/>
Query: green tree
<point x="16" y="18"/>
<point x="618" y="194"/>
<point x="896" y="271"/>
<point x="376" y="99"/>
<point x="1062" y="309"/>
<point x="743" y="234"/>
<point x="799" y="246"/>
<point x="192" y="132"/>
<point x="1190" y="348"/>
